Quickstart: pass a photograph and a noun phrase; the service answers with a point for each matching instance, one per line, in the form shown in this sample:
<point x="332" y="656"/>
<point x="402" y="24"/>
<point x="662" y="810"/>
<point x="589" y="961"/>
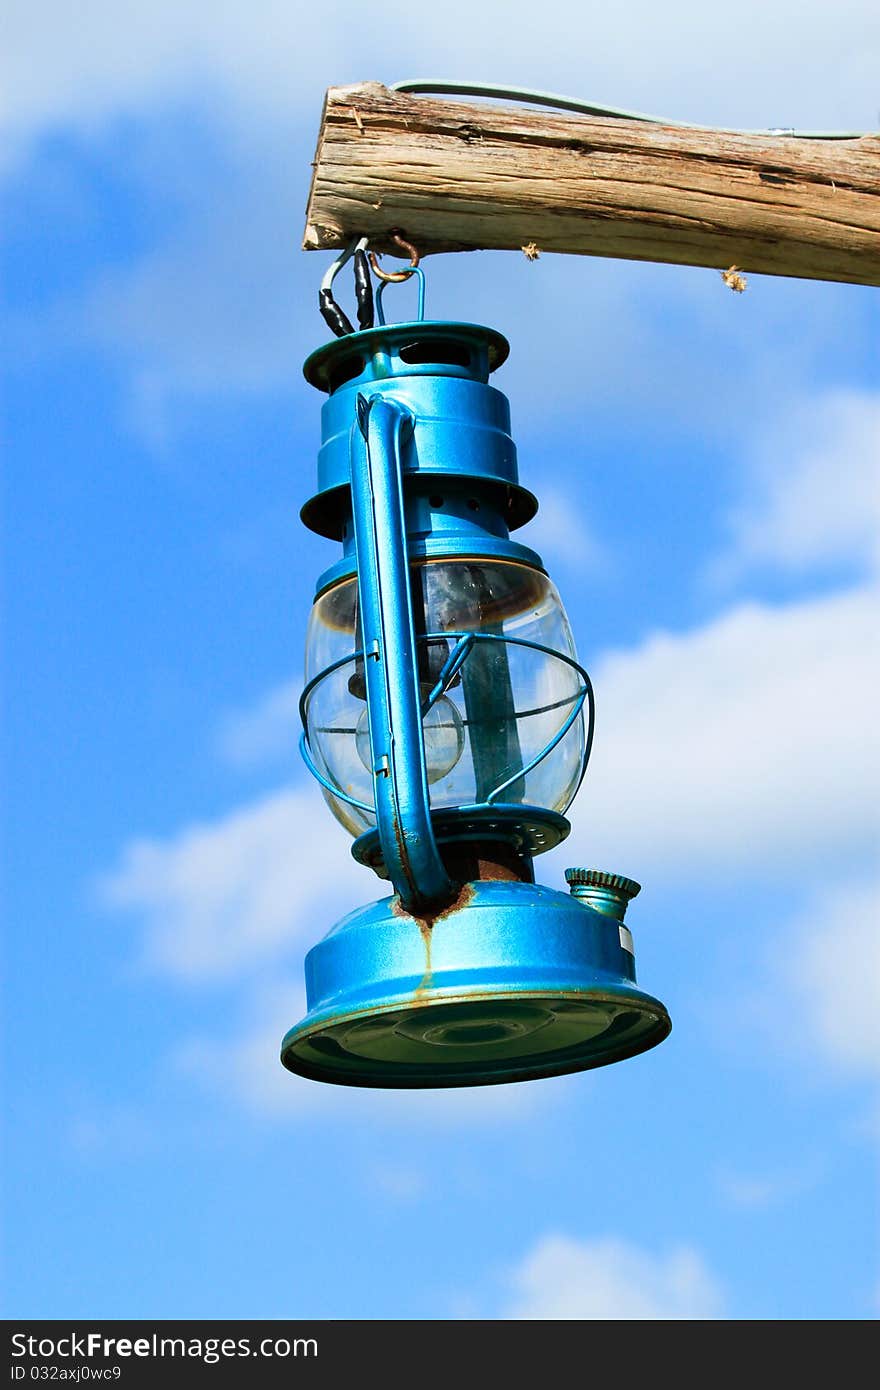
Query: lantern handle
<point x="397" y="747"/>
<point x="420" y="303"/>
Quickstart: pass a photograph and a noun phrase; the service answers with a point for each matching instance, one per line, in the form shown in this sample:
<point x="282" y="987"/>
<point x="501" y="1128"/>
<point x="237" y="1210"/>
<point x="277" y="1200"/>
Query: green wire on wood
<point x="442" y="87"/>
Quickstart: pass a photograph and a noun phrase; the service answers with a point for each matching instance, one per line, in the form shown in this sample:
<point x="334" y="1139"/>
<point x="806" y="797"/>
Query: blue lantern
<point x="449" y="724"/>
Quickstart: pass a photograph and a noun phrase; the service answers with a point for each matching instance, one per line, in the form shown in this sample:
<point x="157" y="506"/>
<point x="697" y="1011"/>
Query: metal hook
<point x="396" y="276"/>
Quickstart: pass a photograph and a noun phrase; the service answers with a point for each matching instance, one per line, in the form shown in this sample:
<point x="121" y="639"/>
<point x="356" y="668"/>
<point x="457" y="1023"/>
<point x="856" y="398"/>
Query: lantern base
<point x="514" y="981"/>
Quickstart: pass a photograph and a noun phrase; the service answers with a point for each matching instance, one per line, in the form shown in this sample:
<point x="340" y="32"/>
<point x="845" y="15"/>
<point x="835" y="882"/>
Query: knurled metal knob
<point x="598" y="878"/>
<point x="604" y="892"/>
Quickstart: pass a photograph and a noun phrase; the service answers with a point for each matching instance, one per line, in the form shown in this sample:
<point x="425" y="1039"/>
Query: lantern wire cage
<point x="464" y="644"/>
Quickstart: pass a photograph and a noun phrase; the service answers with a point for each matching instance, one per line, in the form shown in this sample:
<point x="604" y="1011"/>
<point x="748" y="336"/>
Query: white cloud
<point x="245" y="1066"/>
<point x="815" y="490"/>
<point x="84" y="63"/>
<point x="119" y="1131"/>
<point x="223" y="900"/>
<point x="832" y="975"/>
<point x="755" y="1192"/>
<point x="266" y="732"/>
<point x="399" y="1182"/>
<point x="812" y="1004"/>
<point x="750" y="743"/>
<point x="611" y="1280"/>
<point x="228" y="303"/>
<point x="220" y="899"/>
<point x="747" y="744"/>
<point x="223" y="300"/>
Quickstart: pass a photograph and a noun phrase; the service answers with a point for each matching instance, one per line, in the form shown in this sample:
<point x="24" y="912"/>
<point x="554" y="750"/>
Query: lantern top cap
<point x="421" y="348"/>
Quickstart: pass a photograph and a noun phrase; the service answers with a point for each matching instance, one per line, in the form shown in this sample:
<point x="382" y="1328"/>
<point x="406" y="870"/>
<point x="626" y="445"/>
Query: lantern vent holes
<point x="436" y="501"/>
<point x="440" y="352"/>
<point x="346" y="370"/>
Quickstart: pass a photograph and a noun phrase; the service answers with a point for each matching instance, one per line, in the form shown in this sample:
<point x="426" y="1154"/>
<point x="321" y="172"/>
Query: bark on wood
<point x="457" y="176"/>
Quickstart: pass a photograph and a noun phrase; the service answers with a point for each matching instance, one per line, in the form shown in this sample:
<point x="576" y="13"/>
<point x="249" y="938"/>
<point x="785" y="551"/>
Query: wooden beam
<point x="457" y="176"/>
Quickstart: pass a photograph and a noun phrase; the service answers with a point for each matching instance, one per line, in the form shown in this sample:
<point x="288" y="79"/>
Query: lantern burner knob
<point x="608" y="893"/>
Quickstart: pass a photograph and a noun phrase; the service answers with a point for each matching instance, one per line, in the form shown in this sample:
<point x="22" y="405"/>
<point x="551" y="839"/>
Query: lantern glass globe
<point x="507" y="702"/>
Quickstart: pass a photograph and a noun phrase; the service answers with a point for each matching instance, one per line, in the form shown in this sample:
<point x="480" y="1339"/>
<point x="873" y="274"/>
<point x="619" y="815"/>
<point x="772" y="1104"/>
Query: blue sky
<point x="708" y="468"/>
